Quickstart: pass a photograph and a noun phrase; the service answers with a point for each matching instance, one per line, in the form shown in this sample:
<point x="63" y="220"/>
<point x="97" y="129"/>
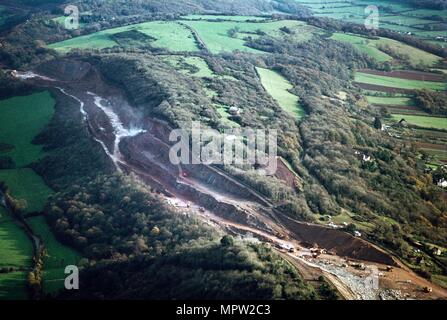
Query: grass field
<point x="61" y="20"/>
<point x="398" y="83"/>
<point x="177" y="37"/>
<point x="170" y="35"/>
<point x="216" y="37"/>
<point x="372" y="47"/>
<point x="278" y="87"/>
<point x="25" y="115"/>
<point x="27" y="185"/>
<point x="364" y="45"/>
<point x="58" y="256"/>
<point x="398" y="16"/>
<point x="194" y="66"/>
<point x="424" y="122"/>
<point x="221" y="17"/>
<point x="390" y="101"/>
<point x="16" y="251"/>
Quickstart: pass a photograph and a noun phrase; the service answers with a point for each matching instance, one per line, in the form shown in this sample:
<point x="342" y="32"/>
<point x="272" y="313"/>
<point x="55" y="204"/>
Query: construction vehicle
<point x="428" y="289"/>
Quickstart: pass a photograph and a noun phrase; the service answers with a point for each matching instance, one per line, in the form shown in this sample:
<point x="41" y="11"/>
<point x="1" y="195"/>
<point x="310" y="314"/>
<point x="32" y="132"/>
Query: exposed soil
<point x="338" y="242"/>
<point x="286" y="175"/>
<point x="374" y="87"/>
<point x="426" y="145"/>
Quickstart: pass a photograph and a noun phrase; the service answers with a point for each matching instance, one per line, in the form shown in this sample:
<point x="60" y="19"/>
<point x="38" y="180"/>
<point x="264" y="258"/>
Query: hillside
<point x="88" y="116"/>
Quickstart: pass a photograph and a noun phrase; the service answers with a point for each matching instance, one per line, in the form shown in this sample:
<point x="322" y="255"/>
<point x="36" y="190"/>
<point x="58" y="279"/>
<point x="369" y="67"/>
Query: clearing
<point x="279" y="88"/>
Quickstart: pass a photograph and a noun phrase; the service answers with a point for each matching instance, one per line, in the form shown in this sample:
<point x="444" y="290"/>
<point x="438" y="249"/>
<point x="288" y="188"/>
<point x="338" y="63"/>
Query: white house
<point x="442" y="183"/>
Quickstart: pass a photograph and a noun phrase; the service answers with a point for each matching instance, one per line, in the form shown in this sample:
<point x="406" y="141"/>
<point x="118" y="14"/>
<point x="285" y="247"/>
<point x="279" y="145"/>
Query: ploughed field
<point x="392" y="91"/>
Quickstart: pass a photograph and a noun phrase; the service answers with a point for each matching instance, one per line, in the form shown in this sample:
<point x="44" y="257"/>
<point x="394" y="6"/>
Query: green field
<point x="221" y="17"/>
<point x="390" y="101"/>
<point x="28" y="115"/>
<point x="25" y="115"/>
<point x="393" y="15"/>
<point x="170" y="35"/>
<point x="424" y="122"/>
<point x="177" y="37"/>
<point x="57" y="258"/>
<point x="26" y="185"/>
<point x="278" y="87"/>
<point x="16" y="251"/>
<point x="398" y="82"/>
<point x="372" y="47"/>
<point x="364" y="45"/>
<point x="61" y="20"/>
<point x="194" y="66"/>
<point x="215" y="34"/>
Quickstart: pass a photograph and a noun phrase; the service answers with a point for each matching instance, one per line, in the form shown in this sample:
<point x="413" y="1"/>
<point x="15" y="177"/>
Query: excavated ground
<point x="211" y="193"/>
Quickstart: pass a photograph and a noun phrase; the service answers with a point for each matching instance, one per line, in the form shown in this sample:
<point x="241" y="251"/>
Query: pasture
<point x="224" y="36"/>
<point x="423" y="121"/>
<point x="390" y="100"/>
<point x="364" y="45"/>
<point x="374" y="47"/>
<point x="222" y="18"/>
<point x="393" y="15"/>
<point x="170" y="35"/>
<point x="27" y="115"/>
<point x="278" y="87"/>
<point x="25" y="184"/>
<point x="57" y="258"/>
<point x="193" y="66"/>
<point x="16" y="251"/>
<point x="392" y="82"/>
